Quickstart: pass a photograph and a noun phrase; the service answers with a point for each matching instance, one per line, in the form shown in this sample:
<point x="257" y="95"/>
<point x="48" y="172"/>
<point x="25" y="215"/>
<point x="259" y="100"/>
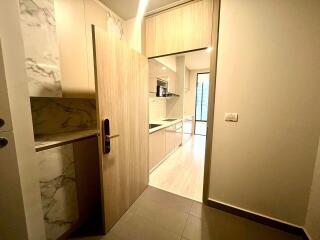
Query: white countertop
<point x="164" y="124"/>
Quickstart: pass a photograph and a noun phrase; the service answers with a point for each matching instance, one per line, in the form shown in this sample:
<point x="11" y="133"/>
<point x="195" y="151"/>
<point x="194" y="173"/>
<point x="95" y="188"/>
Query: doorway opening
<point x="178" y="108"/>
<point x="201" y="106"/>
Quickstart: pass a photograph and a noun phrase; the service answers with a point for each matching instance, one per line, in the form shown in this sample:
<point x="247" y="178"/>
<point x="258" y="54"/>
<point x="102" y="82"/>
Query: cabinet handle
<point x="1" y="122"/>
<point x="3" y="142"/>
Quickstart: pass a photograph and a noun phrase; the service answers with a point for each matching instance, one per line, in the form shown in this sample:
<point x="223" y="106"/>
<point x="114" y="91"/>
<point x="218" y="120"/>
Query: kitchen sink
<point x="170" y="119"/>
<point x="154" y="125"/>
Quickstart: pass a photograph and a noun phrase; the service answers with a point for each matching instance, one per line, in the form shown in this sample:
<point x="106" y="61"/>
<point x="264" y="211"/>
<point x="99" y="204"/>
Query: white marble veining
<point x="41" y="47"/>
<point x="60" y="115"/>
<point x="58" y="190"/>
<point x="115" y="24"/>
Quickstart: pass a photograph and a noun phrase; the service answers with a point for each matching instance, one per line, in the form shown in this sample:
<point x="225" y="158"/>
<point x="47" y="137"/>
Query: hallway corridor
<point x="182" y="172"/>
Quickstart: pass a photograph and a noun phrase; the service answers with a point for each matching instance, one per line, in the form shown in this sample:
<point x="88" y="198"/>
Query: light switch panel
<point x="231" y="117"/>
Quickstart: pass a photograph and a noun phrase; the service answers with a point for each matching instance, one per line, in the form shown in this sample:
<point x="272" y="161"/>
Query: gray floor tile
<point x="168" y="200"/>
<point x="140" y="228"/>
<point x="167" y="218"/>
<point x="159" y="215"/>
<point x="218" y="225"/>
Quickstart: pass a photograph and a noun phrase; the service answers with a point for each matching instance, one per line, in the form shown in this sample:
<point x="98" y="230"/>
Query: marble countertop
<point x="164" y="124"/>
<point x="43" y="142"/>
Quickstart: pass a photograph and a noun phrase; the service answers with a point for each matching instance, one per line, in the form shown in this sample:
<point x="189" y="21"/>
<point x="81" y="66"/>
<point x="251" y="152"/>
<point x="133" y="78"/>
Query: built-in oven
<point x="162" y="88"/>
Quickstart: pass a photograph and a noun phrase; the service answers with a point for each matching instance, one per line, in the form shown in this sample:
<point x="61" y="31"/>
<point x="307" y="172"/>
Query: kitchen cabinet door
<point x="183" y="28"/>
<point x="157" y="148"/>
<point x="71" y="34"/>
<point x="179" y="136"/>
<point x="5" y="119"/>
<point x="170" y="139"/>
<point x="122" y="99"/>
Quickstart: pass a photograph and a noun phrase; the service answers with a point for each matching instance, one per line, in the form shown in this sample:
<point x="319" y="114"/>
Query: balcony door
<point x="202" y="97"/>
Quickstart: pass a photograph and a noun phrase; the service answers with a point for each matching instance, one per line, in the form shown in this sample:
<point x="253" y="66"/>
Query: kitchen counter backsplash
<point x="41" y="47"/>
<point x="60" y="115"/>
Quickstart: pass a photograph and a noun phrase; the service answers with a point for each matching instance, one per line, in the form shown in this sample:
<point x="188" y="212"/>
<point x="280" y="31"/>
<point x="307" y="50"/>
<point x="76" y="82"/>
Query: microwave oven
<point x="162" y="88"/>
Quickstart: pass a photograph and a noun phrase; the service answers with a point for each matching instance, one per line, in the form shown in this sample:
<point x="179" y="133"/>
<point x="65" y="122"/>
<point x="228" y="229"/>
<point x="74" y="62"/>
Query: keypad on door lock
<point x="3" y="142"/>
<point x="1" y="122"/>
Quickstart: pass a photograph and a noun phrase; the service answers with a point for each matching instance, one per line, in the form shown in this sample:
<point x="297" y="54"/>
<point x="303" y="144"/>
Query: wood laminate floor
<point x="182" y="172"/>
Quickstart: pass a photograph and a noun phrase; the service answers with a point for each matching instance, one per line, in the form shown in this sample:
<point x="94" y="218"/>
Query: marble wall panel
<point x="41" y="47"/>
<point x="59" y="115"/>
<point x="58" y="190"/>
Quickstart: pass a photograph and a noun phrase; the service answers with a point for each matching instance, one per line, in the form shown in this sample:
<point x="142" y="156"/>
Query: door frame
<point x="212" y="92"/>
<point x="195" y="106"/>
<point x="212" y="98"/>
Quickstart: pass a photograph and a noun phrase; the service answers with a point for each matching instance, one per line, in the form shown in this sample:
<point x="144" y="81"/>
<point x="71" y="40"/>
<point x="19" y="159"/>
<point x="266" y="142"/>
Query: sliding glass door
<point x="202" y="96"/>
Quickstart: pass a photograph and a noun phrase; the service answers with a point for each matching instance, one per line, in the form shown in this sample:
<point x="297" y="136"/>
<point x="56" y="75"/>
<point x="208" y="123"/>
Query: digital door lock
<point x="106" y="137"/>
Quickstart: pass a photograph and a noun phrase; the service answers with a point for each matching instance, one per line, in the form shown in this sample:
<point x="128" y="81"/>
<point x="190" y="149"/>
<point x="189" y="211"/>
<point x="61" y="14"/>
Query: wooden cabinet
<point x="157" y="148"/>
<point x="71" y="33"/>
<point x="170" y="139"/>
<point x="164" y="142"/>
<point x="183" y="28"/>
<point x="74" y="20"/>
<point x="178" y="135"/>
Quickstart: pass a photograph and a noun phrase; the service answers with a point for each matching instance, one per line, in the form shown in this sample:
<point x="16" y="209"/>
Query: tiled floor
<point x="159" y="215"/>
<point x="182" y="172"/>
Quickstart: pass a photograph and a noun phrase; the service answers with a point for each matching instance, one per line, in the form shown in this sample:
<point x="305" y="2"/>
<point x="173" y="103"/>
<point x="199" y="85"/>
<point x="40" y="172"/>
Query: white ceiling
<point x="197" y="60"/>
<point x="127" y="9"/>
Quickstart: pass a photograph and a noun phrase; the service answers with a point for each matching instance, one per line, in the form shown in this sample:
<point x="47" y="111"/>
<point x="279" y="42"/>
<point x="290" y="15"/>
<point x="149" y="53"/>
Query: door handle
<point x="112" y="136"/>
<point x="3" y="142"/>
<point x="106" y="137"/>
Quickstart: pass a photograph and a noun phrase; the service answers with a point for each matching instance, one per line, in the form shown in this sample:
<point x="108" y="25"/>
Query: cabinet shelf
<point x="44" y="142"/>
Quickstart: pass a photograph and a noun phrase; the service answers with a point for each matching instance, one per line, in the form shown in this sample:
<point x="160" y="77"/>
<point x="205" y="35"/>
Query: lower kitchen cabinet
<point x="157" y="148"/>
<point x="178" y="135"/>
<point x="170" y="139"/>
<point x="164" y="142"/>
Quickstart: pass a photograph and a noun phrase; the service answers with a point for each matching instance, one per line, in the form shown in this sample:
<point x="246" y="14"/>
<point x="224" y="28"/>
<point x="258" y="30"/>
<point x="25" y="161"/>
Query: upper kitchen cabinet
<point x="74" y="21"/>
<point x="183" y="28"/>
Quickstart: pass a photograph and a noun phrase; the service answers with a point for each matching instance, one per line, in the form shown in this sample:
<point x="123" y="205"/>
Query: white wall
<point x="269" y="73"/>
<point x="157" y="108"/>
<point x="312" y="224"/>
<point x="20" y="200"/>
<point x="169" y="61"/>
<point x="133" y="33"/>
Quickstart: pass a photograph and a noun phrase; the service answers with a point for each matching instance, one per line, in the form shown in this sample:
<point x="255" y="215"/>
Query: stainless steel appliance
<point x="162" y="88"/>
